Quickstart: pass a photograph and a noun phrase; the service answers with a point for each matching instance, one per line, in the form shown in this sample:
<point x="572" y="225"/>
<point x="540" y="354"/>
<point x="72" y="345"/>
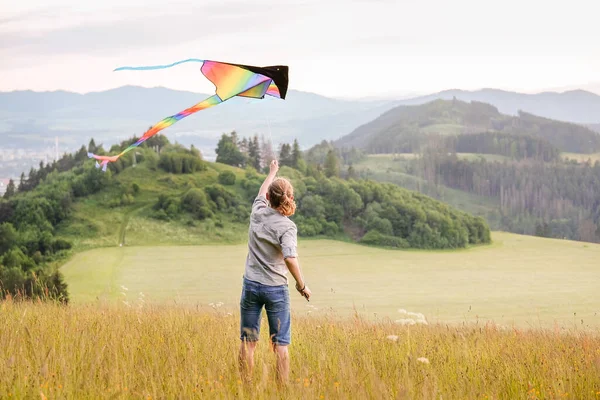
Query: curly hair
<point x="281" y="196"/>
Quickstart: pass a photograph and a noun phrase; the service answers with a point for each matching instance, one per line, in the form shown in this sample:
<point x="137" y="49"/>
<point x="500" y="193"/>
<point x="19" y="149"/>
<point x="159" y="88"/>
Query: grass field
<point x="146" y="352"/>
<point x="582" y="158"/>
<point x="521" y="280"/>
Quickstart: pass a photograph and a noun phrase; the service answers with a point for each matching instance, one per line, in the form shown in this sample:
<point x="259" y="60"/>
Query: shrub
<point x="227" y="178"/>
<point x="378" y="239"/>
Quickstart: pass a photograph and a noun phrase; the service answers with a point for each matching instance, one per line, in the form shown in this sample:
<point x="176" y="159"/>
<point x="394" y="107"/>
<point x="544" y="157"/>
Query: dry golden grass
<point x="140" y="352"/>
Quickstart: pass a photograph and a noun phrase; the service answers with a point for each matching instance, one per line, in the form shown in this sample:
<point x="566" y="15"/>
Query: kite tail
<point x="152" y="67"/>
<point x="104" y="160"/>
<point x="165" y="123"/>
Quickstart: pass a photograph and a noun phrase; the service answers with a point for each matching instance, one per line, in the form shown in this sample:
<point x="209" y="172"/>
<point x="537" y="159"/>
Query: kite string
<point x="271" y="136"/>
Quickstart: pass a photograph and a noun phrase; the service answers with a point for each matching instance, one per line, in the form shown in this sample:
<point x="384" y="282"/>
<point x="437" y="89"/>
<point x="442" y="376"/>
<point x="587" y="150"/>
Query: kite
<point x="230" y="80"/>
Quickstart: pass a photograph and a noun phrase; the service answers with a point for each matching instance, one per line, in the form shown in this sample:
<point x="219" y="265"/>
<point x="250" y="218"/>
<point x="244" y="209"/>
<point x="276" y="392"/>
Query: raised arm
<point x="273" y="168"/>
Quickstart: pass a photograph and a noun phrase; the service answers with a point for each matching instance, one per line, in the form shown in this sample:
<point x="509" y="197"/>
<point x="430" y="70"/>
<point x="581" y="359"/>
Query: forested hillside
<point x="408" y="129"/>
<point x="524" y="173"/>
<point x="560" y="200"/>
<point x="173" y="196"/>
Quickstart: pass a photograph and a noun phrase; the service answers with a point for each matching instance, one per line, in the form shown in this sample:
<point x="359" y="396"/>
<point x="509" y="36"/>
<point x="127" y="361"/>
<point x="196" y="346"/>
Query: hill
<point x="406" y="129"/>
<point x="167" y="194"/>
<point x="560" y="198"/>
<point x="33" y="119"/>
<point x="594" y="127"/>
<point x="576" y="106"/>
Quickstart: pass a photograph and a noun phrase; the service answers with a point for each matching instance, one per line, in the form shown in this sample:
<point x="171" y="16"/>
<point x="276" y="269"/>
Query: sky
<point x="345" y="49"/>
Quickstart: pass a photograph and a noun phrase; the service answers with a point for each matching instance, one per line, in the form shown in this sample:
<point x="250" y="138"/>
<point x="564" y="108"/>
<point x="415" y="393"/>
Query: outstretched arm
<point x="273" y="168"/>
<point x="294" y="267"/>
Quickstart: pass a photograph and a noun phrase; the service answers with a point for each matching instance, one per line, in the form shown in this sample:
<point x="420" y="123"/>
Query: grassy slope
<point x="94" y="224"/>
<point x="524" y="280"/>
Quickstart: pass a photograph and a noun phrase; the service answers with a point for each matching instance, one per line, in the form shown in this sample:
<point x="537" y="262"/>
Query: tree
<point x="81" y="155"/>
<point x="195" y="152"/>
<point x="254" y="158"/>
<point x="266" y="151"/>
<point x="228" y="151"/>
<point x="8" y="237"/>
<point x="285" y="155"/>
<point x="352" y="172"/>
<point x="331" y="164"/>
<point x="244" y="146"/>
<point x="22" y="182"/>
<point x="296" y="154"/>
<point x="92" y="148"/>
<point x="10" y="189"/>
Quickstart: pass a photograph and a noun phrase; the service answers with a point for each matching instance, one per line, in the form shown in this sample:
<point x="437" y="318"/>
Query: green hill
<point x="166" y="194"/>
<point x="408" y="129"/>
<point x="559" y="199"/>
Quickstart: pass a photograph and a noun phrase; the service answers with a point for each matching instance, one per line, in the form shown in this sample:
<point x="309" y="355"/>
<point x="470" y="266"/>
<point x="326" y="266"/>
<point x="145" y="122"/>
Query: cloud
<point x="134" y="28"/>
<point x="26" y="16"/>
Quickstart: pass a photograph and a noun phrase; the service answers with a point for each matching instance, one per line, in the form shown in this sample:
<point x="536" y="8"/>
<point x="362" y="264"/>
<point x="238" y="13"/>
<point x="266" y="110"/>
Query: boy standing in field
<point x="272" y="252"/>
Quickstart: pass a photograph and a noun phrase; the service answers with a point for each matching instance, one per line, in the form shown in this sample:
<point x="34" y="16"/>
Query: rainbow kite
<point x="230" y="80"/>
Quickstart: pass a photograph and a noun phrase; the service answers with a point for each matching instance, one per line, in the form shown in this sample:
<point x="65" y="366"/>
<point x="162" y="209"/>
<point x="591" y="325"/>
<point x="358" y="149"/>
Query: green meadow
<point x="521" y="281"/>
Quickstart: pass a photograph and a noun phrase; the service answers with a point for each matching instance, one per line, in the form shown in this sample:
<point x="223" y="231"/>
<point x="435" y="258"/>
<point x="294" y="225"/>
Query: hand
<point x="304" y="292"/>
<point x="274" y="167"/>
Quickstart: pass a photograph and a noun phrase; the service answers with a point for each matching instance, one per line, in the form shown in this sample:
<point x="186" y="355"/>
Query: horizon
<point x="399" y="50"/>
<point x="382" y="97"/>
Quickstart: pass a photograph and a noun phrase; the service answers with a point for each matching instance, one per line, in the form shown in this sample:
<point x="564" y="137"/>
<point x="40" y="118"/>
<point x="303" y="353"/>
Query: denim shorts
<point x="276" y="300"/>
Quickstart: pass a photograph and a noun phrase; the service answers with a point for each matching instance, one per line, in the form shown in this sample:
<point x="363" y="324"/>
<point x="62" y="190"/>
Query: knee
<point x="248" y="346"/>
<point x="281" y="351"/>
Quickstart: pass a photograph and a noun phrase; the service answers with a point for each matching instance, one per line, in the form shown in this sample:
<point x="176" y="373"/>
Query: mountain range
<point x="33" y="119"/>
<point x="407" y="128"/>
<point x="576" y="106"/>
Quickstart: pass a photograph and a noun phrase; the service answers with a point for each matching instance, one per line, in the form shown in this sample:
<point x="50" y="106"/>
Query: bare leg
<point x="247" y="359"/>
<point x="283" y="363"/>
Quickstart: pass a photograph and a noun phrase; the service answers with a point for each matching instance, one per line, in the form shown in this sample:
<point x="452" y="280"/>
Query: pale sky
<point x="333" y="47"/>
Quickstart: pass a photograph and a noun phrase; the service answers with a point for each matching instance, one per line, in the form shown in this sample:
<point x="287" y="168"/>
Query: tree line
<point x="560" y="200"/>
<point x="328" y="205"/>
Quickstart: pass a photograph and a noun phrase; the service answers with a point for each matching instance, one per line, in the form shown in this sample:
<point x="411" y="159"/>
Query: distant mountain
<point x="573" y="106"/>
<point x="33" y="119"/>
<point x="594" y="127"/>
<point x="29" y="119"/>
<point x="406" y="128"/>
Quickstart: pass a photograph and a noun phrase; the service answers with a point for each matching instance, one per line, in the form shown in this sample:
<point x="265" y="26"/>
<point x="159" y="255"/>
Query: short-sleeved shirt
<point x="272" y="238"/>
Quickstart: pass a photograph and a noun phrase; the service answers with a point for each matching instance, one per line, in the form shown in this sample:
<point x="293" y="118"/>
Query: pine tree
<point x="81" y="155"/>
<point x="244" y="146"/>
<point x="296" y="154"/>
<point x="10" y="189"/>
<point x="22" y="183"/>
<point x="285" y="155"/>
<point x="32" y="179"/>
<point x="267" y="153"/>
<point x="352" y="172"/>
<point x="92" y="148"/>
<point x="331" y="165"/>
<point x="254" y="153"/>
<point x="234" y="138"/>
